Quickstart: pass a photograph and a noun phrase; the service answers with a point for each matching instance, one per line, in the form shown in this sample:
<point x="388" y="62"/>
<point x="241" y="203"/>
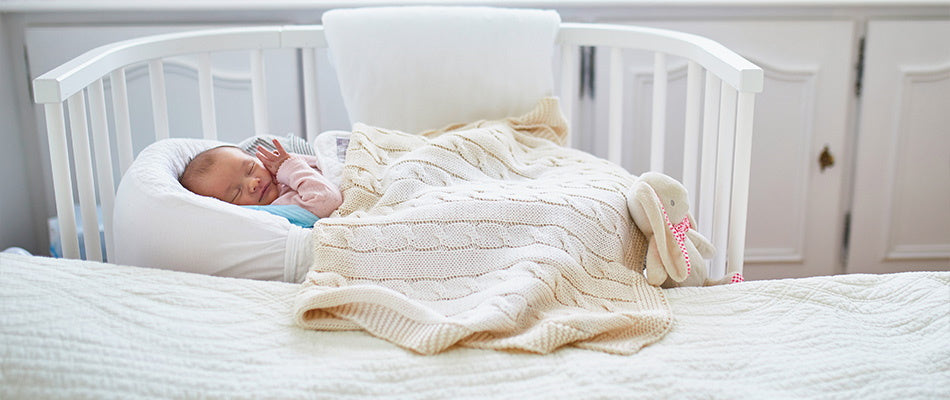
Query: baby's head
<point x="229" y="174"/>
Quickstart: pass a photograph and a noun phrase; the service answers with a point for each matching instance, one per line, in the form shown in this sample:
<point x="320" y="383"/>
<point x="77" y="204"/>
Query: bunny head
<point x="670" y="193"/>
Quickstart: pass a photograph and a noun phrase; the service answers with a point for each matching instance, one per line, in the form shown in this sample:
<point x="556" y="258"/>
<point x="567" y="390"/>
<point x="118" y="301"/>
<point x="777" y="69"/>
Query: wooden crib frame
<point x="721" y="88"/>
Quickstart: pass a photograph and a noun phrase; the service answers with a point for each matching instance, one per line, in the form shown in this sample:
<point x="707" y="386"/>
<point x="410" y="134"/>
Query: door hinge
<point x="29" y="79"/>
<point x="845" y="238"/>
<point x="859" y="69"/>
<point x="588" y="54"/>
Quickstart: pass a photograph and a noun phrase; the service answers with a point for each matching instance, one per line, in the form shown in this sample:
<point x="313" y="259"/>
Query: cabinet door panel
<point x="796" y="209"/>
<point x="901" y="211"/>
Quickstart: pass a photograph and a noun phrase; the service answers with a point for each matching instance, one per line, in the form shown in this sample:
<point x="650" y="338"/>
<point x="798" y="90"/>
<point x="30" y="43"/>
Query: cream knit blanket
<point x="487" y="235"/>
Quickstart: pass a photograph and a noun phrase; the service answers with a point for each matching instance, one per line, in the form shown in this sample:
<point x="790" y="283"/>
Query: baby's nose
<point x="253" y="184"/>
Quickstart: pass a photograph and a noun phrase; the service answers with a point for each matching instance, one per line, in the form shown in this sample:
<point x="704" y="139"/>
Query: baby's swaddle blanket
<point x="488" y="235"/>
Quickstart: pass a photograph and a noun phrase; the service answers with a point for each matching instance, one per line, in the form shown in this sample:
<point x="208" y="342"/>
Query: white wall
<point x="16" y="222"/>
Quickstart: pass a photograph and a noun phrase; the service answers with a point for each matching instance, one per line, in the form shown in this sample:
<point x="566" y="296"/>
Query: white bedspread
<point x="75" y="329"/>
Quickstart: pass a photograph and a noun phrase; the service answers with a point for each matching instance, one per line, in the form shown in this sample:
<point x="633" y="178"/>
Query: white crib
<point x="721" y="87"/>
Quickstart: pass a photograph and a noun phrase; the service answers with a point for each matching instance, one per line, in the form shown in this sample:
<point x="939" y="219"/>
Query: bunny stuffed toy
<point x="676" y="252"/>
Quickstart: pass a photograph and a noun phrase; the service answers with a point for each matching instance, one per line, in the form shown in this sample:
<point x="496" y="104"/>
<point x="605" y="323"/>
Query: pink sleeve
<point x="309" y="188"/>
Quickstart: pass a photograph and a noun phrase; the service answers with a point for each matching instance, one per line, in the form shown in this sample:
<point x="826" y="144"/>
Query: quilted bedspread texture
<point x="76" y="329"/>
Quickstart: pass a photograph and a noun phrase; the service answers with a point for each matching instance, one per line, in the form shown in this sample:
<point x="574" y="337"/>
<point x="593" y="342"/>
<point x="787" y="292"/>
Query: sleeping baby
<point x="277" y="177"/>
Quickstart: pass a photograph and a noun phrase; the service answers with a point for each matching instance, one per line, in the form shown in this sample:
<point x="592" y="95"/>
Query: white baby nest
<point x="719" y="105"/>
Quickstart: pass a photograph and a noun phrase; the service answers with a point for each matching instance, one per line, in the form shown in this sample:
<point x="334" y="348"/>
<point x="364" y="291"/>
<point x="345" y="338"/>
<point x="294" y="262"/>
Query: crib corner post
<point x="740" y="181"/>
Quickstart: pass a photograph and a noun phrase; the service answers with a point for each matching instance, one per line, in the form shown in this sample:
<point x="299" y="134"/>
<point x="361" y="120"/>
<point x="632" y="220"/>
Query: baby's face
<point x="237" y="178"/>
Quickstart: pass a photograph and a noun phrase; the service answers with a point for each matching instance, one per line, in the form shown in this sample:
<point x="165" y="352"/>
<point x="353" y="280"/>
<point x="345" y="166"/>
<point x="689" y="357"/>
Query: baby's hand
<point x="272" y="159"/>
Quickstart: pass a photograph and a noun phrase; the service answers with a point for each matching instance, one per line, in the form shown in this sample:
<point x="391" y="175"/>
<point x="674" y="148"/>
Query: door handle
<point x="826" y="159"/>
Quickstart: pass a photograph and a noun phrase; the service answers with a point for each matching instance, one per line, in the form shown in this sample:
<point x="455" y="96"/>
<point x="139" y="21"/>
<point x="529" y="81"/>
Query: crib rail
<point x="721" y="87"/>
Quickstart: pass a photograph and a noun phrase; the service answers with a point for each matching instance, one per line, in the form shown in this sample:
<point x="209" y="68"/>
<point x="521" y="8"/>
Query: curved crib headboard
<point x="721" y="87"/>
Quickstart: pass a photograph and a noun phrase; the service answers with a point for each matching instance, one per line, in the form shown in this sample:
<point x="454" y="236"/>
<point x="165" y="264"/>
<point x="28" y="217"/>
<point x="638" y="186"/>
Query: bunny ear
<point x="653" y="208"/>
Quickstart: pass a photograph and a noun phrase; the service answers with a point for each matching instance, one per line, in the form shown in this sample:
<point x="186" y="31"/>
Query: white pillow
<point x="419" y="68"/>
<point x="158" y="223"/>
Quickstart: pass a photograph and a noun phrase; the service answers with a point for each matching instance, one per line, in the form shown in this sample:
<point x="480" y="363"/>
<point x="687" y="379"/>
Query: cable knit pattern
<point x="486" y="235"/>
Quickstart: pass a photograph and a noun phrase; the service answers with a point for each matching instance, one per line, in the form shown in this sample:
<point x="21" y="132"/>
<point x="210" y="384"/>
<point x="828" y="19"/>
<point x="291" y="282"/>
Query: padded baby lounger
<point x="161" y="224"/>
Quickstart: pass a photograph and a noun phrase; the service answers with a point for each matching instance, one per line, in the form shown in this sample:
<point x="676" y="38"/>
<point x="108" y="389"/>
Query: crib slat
<point x="694" y="76"/>
<point x="658" y="121"/>
<point x="259" y="92"/>
<point x="615" y="113"/>
<point x="568" y="87"/>
<point x="62" y="181"/>
<point x="84" y="181"/>
<point x="740" y="179"/>
<point x="101" y="146"/>
<point x="123" y="126"/>
<point x="209" y="125"/>
<point x="311" y="101"/>
<point x="727" y="122"/>
<point x="707" y="178"/>
<point x="156" y="73"/>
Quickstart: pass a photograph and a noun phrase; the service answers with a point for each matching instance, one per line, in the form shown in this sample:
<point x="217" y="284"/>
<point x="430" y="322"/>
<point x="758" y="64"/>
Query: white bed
<point x="84" y="329"/>
<point x="80" y="329"/>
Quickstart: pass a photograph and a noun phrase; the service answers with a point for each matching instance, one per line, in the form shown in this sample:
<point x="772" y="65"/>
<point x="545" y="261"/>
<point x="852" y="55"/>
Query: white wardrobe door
<point x="901" y="208"/>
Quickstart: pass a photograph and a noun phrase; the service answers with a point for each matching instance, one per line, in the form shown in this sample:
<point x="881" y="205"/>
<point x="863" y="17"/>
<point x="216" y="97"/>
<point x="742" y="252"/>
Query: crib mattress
<point x="77" y="329"/>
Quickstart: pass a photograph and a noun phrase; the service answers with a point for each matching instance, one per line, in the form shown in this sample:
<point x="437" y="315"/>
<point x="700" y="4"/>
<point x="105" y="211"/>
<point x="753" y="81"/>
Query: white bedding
<point x="77" y="329"/>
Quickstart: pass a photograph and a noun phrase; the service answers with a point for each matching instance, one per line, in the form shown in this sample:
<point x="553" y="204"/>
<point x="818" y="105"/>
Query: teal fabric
<point x="295" y="214"/>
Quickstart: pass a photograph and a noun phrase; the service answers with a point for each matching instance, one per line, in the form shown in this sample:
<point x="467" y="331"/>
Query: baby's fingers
<point x="264" y="154"/>
<point x="266" y="158"/>
<point x="280" y="149"/>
